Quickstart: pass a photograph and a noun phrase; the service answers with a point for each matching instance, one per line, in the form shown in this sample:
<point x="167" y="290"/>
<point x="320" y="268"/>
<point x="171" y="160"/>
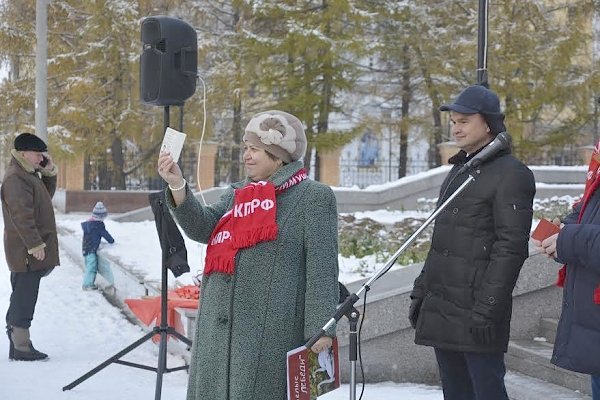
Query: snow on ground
<point x="80" y="330"/>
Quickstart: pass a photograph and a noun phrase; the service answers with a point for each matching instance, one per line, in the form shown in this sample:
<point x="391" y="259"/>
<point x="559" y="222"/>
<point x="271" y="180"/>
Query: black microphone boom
<point x="501" y="142"/>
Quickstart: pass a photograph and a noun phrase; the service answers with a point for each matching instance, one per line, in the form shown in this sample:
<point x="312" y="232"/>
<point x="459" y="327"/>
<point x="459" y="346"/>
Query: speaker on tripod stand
<point x="168" y="72"/>
<point x="169" y="61"/>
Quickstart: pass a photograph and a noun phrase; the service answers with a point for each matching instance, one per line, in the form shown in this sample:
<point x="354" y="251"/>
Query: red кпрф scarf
<point x="251" y="220"/>
<point x="591" y="184"/>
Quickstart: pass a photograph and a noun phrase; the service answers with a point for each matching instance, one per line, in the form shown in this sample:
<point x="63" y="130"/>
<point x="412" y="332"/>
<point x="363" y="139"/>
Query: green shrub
<point x="366" y="237"/>
<point x="553" y="207"/>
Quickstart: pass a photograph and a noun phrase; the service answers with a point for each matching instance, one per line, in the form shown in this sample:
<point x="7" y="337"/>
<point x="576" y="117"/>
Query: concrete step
<point x="532" y="358"/>
<point x="524" y="387"/>
<point x="548" y="328"/>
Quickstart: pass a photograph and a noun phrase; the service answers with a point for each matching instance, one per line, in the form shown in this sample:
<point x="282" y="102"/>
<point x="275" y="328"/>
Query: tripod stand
<point x="174" y="257"/>
<point x="163" y="330"/>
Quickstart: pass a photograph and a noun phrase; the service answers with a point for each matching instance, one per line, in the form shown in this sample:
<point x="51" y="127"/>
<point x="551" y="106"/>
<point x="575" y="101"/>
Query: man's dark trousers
<point x="25" y="288"/>
<point x="472" y="376"/>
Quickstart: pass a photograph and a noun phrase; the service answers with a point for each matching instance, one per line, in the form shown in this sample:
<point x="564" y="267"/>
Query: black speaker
<point x="169" y="61"/>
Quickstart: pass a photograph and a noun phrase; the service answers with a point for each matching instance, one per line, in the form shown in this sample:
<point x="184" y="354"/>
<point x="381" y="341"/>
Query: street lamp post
<point x="41" y="69"/>
<point x="482" y="76"/>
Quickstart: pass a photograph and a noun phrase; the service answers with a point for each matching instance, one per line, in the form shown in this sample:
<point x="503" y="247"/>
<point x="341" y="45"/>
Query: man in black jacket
<point x="462" y="300"/>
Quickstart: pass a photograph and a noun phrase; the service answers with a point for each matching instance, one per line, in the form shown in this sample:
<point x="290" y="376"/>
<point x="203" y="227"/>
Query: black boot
<point x="31" y="355"/>
<point x="11" y="346"/>
<point x="21" y="346"/>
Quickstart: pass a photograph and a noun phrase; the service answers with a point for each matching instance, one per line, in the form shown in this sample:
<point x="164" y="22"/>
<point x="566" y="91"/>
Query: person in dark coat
<point x="462" y="300"/>
<point x="30" y="239"/>
<point x="270" y="276"/>
<point x="577" y="344"/>
<point x="93" y="232"/>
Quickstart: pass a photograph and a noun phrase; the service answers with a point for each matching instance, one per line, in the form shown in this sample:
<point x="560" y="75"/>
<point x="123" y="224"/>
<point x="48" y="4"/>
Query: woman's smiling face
<point x="258" y="163"/>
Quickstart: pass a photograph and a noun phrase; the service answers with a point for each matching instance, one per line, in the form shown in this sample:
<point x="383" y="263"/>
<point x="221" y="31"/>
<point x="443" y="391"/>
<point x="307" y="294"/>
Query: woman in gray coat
<point x="270" y="275"/>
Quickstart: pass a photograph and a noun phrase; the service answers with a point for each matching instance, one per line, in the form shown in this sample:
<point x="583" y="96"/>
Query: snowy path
<point x="79" y="330"/>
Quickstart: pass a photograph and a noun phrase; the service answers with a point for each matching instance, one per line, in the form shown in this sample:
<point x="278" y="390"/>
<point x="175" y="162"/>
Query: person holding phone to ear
<point x="44" y="161"/>
<point x="30" y="239"/>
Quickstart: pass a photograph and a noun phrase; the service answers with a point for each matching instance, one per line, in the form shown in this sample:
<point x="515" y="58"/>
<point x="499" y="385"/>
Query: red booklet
<point x="544" y="229"/>
<point x="310" y="375"/>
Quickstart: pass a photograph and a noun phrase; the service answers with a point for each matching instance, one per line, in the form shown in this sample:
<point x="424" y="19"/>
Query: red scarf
<point x="591" y="184"/>
<point x="251" y="220"/>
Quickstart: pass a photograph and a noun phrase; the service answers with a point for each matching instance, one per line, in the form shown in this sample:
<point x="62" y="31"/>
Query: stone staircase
<point x="531" y="376"/>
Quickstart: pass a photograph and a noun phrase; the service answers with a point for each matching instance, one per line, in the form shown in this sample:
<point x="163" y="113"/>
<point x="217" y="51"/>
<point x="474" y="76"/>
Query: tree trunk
<point x="404" y="124"/>
<point x="436" y="137"/>
<point x="104" y="179"/>
<point x="87" y="184"/>
<point x="236" y="126"/>
<point x="118" y="161"/>
<point x="236" y="138"/>
<point x="324" y="110"/>
<point x="310" y="134"/>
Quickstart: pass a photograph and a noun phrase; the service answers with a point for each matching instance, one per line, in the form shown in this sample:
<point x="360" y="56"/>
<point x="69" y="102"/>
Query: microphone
<point x="500" y="142"/>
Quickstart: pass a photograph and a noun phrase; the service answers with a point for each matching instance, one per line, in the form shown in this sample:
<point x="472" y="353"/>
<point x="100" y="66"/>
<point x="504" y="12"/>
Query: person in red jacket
<point x="30" y="239"/>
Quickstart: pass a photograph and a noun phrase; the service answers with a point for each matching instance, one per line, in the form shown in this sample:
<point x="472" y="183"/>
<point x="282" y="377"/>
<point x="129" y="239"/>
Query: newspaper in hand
<point x="310" y="375"/>
<point x="173" y="143"/>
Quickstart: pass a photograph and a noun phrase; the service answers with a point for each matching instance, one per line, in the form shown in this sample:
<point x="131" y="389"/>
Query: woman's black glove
<point x="482" y="329"/>
<point x="413" y="311"/>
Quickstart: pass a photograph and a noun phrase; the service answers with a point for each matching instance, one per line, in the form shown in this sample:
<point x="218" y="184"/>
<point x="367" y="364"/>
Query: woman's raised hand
<point x="169" y="170"/>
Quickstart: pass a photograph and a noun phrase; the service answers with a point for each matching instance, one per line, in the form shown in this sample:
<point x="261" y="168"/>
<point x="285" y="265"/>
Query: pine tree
<point x="307" y="49"/>
<point x="17" y="41"/>
<point x="541" y="64"/>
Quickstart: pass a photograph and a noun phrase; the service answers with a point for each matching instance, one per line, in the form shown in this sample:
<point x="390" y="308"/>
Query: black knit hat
<point x="29" y="142"/>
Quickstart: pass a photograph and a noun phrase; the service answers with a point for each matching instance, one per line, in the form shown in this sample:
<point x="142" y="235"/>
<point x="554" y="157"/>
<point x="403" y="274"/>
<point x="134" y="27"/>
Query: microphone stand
<point x="347" y="307"/>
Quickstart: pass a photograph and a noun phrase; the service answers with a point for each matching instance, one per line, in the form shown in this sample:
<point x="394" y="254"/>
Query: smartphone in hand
<point x="44" y="161"/>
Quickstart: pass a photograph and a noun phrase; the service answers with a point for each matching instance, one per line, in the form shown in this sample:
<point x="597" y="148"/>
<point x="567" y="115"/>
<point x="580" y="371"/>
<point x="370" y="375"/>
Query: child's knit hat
<point x="99" y="211"/>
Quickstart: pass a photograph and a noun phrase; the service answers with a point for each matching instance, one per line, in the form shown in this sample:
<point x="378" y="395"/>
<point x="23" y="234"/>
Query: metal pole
<point x="41" y="69"/>
<point x="352" y="351"/>
<point x="482" y="34"/>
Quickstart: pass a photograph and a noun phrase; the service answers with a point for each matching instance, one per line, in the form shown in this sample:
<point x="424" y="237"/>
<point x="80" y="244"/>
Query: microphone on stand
<point x="500" y="142"/>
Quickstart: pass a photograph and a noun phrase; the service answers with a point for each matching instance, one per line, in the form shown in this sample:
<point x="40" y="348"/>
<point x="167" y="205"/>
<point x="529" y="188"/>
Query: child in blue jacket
<point x="93" y="232"/>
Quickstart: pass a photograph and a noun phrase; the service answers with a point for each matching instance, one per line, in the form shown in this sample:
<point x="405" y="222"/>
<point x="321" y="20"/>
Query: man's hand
<point x="548" y="246"/>
<point x="413" y="311"/>
<point x="39" y="254"/>
<point x="49" y="163"/>
<point x="482" y="329"/>
<point x="322" y="344"/>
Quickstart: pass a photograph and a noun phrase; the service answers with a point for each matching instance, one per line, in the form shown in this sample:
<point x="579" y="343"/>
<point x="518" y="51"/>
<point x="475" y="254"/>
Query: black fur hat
<point x="29" y="142"/>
